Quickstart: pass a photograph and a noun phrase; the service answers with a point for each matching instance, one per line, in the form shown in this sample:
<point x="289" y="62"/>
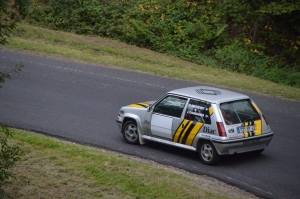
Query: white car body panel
<point x="204" y="103"/>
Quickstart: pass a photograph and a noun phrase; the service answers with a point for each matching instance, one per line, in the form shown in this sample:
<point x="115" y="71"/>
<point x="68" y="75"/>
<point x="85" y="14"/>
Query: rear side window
<point x="199" y="111"/>
<point x="240" y="111"/>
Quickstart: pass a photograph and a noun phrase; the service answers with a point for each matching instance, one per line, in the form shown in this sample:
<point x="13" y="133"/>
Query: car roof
<point x="209" y="94"/>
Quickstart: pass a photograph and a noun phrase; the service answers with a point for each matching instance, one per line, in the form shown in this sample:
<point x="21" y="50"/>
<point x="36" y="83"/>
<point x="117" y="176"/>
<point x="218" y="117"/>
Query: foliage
<point x="8" y="157"/>
<point x="11" y="12"/>
<point x="3" y="75"/>
<point x="236" y="57"/>
<point x="263" y="32"/>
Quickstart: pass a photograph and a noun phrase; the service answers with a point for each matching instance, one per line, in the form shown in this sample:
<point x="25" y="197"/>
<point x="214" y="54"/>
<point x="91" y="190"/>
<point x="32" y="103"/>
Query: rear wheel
<point x="208" y="153"/>
<point x="130" y="132"/>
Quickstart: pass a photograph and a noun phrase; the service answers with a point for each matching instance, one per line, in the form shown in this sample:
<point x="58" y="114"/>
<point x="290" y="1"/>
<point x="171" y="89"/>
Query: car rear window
<point x="240" y="111"/>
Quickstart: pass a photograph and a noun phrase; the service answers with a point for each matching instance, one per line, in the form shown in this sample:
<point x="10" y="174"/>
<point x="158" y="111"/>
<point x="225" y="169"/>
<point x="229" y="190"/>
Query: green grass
<point x="112" y="53"/>
<point x="53" y="168"/>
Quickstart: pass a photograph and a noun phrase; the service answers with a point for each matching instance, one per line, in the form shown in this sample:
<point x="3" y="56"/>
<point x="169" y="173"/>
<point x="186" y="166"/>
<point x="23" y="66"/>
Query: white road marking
<point x="90" y="73"/>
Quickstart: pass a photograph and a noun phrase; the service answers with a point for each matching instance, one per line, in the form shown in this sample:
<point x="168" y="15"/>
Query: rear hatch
<point x="242" y="119"/>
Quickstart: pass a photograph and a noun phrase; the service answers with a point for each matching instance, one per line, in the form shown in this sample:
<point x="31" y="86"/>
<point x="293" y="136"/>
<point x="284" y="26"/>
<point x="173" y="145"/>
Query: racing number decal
<point x="187" y="134"/>
<point x="258" y="128"/>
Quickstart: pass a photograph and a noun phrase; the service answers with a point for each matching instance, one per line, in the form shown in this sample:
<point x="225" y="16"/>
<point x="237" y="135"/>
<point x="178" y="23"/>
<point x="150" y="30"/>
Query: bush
<point x="243" y="36"/>
<point x="9" y="155"/>
<point x="287" y="76"/>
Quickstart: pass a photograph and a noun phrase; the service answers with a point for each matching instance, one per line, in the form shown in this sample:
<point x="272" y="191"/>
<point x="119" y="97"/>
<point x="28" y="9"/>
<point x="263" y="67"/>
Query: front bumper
<point x="225" y="147"/>
<point x="119" y="123"/>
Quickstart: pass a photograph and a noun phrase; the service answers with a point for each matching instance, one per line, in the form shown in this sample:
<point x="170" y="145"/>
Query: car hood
<point x="142" y="104"/>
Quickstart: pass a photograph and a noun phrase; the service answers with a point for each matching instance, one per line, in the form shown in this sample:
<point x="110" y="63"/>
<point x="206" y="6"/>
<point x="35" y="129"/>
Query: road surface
<point x="80" y="102"/>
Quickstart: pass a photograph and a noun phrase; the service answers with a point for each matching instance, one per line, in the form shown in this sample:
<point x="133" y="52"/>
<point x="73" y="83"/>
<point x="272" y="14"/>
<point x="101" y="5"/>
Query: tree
<point x="11" y="13"/>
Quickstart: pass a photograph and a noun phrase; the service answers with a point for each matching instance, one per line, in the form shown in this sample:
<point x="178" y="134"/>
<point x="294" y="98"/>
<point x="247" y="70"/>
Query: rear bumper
<point x="225" y="147"/>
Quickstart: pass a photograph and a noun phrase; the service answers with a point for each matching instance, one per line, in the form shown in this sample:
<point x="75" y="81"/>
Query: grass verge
<point x="52" y="168"/>
<point x="112" y="53"/>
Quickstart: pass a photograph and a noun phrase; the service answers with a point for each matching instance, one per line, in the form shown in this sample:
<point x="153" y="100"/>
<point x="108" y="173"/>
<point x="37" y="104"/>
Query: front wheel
<point x="130" y="132"/>
<point x="208" y="153"/>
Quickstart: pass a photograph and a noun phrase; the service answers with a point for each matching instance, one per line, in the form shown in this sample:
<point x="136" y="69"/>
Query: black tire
<point x="208" y="153"/>
<point x="130" y="132"/>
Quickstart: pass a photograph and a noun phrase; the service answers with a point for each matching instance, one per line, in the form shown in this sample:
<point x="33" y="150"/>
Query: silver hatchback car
<point x="209" y="120"/>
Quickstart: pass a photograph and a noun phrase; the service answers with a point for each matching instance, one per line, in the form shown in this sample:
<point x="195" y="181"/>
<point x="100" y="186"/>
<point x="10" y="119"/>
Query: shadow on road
<point x="226" y="160"/>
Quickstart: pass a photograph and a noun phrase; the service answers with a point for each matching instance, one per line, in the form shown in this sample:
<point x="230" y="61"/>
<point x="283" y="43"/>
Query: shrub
<point x="243" y="36"/>
<point x="9" y="155"/>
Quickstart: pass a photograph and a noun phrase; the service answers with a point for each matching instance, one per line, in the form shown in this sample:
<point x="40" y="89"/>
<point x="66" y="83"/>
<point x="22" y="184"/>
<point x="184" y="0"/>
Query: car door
<point x="197" y="116"/>
<point x="166" y="116"/>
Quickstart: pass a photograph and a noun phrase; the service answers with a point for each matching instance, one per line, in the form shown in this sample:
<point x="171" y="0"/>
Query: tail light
<point x="265" y="120"/>
<point x="221" y="129"/>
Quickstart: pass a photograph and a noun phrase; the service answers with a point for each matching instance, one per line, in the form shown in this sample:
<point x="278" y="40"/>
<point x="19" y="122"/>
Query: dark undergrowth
<point x="258" y="37"/>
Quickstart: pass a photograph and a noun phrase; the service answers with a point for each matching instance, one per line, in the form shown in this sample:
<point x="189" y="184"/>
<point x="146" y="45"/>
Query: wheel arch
<point x="203" y="139"/>
<point x="215" y="156"/>
<point x="126" y="119"/>
<point x="137" y="120"/>
<point x="199" y="141"/>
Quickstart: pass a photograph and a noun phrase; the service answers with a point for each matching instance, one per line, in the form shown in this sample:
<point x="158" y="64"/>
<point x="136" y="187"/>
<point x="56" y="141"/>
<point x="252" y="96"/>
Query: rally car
<point x="209" y="120"/>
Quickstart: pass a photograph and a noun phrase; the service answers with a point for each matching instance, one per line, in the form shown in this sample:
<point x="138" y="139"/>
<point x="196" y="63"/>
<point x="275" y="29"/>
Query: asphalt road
<point x="80" y="102"/>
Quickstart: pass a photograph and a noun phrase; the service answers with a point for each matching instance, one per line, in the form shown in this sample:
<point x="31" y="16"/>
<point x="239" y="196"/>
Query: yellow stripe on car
<point x="179" y="130"/>
<point x="258" y="127"/>
<point x="211" y="111"/>
<point x="193" y="133"/>
<point x="187" y="134"/>
<point x="186" y="130"/>
<point x="256" y="108"/>
<point x="143" y="104"/>
<point x="139" y="105"/>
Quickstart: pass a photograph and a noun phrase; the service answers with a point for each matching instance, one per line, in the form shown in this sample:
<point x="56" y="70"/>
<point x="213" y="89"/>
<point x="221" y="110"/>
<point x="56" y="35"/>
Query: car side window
<point x="171" y="106"/>
<point x="198" y="111"/>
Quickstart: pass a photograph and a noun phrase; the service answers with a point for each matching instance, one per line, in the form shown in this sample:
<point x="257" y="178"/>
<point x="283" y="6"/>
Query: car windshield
<point x="240" y="111"/>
